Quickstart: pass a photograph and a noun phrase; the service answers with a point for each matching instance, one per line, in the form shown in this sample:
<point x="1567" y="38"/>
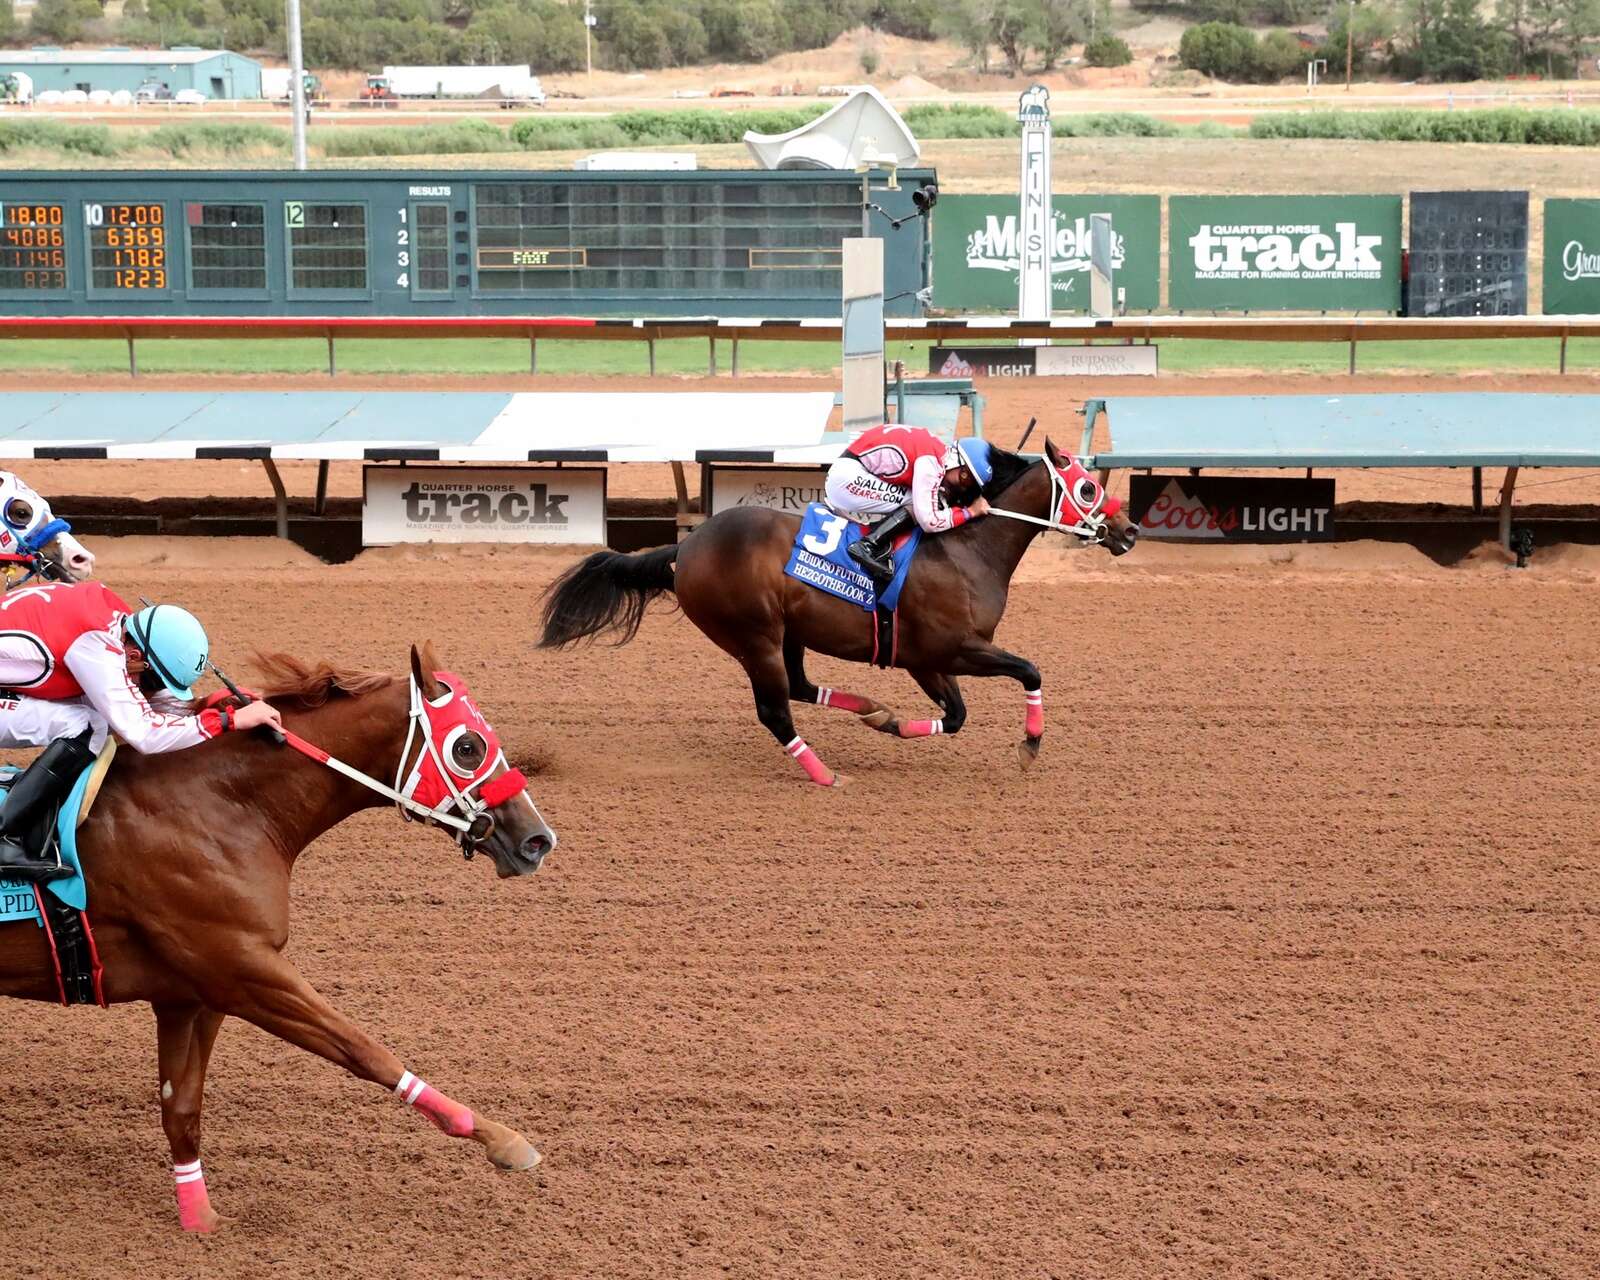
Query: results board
<point x="669" y="243"/>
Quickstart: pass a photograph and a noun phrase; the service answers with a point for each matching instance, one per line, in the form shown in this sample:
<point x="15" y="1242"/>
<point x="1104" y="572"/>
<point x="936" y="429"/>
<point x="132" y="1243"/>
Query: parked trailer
<point x="508" y="83"/>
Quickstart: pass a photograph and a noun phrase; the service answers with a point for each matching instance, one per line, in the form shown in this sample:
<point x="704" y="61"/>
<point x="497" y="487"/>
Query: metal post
<point x="711" y="360"/>
<point x="1352" y="352"/>
<point x="1506" y="491"/>
<point x="297" y="85"/>
<point x="1477" y="491"/>
<point x="533" y="354"/>
<point x="279" y="494"/>
<point x="322" y="487"/>
<point x="651" y="343"/>
<point x="332" y="368"/>
<point x="133" y="360"/>
<point x="735" y="355"/>
<point x="1563" y="353"/>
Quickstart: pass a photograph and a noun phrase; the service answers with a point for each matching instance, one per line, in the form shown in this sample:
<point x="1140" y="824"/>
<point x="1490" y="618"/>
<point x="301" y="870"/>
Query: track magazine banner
<point x="1284" y="253"/>
<point x="977" y="253"/>
<point x="483" y="504"/>
<point x="1232" y="508"/>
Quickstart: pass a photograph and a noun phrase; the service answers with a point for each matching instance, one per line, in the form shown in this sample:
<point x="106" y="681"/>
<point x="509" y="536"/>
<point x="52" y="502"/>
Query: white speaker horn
<point x="862" y="128"/>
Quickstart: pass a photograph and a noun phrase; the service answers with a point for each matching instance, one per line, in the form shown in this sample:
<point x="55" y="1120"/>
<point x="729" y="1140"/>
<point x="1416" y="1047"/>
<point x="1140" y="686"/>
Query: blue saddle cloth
<point x="819" y="560"/>
<point x="16" y="896"/>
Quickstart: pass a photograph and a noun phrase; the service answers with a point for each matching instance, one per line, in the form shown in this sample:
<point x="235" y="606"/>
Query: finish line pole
<point x="297" y="85"/>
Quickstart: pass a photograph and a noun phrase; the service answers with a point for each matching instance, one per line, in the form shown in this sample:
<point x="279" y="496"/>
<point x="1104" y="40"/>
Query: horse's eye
<point x="468" y="751"/>
<point x="1087" y="492"/>
<point x="19" y="513"/>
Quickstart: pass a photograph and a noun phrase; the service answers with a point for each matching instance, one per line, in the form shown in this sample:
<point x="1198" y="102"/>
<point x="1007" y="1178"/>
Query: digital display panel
<point x="433" y="248"/>
<point x="227" y="247"/>
<point x="327" y="246"/>
<point x="33" y="247"/>
<point x="714" y="238"/>
<point x="127" y="247"/>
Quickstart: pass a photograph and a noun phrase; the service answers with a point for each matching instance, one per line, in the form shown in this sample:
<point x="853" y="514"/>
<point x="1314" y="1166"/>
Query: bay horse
<point x="188" y="855"/>
<point x="31" y="538"/>
<point x="729" y="579"/>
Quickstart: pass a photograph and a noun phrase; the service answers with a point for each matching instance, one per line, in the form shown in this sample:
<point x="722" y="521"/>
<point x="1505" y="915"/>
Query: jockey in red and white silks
<point x="64" y="670"/>
<point x="887" y="467"/>
<point x="892" y="475"/>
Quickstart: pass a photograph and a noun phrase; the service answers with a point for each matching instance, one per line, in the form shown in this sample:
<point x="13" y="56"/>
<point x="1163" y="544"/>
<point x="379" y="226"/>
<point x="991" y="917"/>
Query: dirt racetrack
<point x="1281" y="961"/>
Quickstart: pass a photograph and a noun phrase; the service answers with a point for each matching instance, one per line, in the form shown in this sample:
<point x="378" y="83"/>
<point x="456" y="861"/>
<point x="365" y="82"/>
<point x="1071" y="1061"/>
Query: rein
<point x="473" y="809"/>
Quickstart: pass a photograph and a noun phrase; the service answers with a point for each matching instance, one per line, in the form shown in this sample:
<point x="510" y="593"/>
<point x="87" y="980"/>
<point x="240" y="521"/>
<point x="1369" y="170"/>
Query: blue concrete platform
<point x="1450" y="429"/>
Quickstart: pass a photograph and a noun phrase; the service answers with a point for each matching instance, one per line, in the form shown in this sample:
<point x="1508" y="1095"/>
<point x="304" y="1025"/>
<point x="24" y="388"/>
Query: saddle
<point x="68" y="933"/>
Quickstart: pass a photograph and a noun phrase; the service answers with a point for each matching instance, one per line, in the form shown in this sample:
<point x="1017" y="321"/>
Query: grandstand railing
<point x="1350" y="330"/>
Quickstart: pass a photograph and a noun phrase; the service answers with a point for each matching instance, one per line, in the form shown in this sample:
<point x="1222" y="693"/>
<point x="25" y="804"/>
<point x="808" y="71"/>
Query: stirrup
<point x="875" y="560"/>
<point x="33" y="870"/>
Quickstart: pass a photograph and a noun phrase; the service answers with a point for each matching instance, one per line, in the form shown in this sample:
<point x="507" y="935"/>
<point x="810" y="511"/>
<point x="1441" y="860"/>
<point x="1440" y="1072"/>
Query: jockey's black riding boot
<point x="45" y="781"/>
<point x="872" y="551"/>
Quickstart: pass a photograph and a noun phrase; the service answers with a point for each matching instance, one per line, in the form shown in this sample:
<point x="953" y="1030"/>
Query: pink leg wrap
<point x="194" y="1205"/>
<point x="1036" y="713"/>
<point x="818" y="772"/>
<point x="844" y="701"/>
<point x="920" y="728"/>
<point x="447" y="1116"/>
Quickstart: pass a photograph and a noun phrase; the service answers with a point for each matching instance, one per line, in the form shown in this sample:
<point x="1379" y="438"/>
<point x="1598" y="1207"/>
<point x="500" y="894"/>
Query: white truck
<point x="510" y="85"/>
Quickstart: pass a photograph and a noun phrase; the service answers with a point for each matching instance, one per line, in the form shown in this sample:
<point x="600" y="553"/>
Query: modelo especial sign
<point x="1284" y="253"/>
<point x="977" y="251"/>
<point x="482" y="504"/>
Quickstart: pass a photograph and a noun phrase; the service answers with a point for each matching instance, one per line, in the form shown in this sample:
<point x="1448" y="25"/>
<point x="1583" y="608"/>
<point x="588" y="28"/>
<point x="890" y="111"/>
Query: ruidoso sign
<point x="1232" y="508"/>
<point x="481" y="504"/>
<point x="977" y="251"/>
<point x="791" y="489"/>
<point x="1284" y="253"/>
<point x="1571" y="257"/>
<point x="1043" y="362"/>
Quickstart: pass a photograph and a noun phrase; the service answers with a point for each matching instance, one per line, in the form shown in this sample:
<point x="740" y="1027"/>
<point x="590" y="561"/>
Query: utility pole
<point x="1349" y="42"/>
<point x="297" y="85"/>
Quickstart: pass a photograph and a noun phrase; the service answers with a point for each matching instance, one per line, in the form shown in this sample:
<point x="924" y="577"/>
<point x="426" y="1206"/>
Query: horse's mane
<point x="1008" y="469"/>
<point x="312" y="684"/>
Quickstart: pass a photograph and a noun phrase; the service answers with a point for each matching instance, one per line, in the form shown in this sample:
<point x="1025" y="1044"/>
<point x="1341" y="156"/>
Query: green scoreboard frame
<point x="324" y="242"/>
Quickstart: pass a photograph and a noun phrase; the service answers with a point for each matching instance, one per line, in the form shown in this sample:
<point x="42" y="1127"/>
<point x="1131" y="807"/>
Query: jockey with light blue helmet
<point x="80" y="666"/>
<point x="894" y="475"/>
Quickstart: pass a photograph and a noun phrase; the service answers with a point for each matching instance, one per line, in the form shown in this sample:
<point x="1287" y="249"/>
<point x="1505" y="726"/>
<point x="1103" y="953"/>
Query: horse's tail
<point x="607" y="591"/>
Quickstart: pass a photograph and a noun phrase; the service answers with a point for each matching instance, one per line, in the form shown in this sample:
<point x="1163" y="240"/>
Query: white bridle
<point x="461" y="799"/>
<point x="1092" y="524"/>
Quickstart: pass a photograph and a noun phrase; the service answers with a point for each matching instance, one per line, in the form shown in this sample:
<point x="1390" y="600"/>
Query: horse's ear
<point x="423" y="665"/>
<point x="1053" y="453"/>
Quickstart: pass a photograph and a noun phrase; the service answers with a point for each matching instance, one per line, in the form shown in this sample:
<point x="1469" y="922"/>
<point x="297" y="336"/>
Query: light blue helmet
<point x="975" y="453"/>
<point x="173" y="643"/>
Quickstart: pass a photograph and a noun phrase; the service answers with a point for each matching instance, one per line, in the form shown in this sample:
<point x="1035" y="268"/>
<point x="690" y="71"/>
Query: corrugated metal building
<point x="217" y="73"/>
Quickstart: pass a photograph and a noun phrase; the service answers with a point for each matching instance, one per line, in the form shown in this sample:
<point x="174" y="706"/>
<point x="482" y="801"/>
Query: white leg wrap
<point x="410" y="1088"/>
<point x="192" y="1172"/>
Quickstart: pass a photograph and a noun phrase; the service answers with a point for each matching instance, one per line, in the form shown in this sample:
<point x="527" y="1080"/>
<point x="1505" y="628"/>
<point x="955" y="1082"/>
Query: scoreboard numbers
<point x="33" y="248"/>
<point x="127" y="247"/>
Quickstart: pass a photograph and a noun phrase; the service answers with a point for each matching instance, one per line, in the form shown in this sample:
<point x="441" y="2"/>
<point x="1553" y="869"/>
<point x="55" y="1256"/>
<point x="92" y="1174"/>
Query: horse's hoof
<point x="882" y="720"/>
<point x="1028" y="751"/>
<point x="839" y="780"/>
<point x="506" y="1148"/>
<point x="202" y="1223"/>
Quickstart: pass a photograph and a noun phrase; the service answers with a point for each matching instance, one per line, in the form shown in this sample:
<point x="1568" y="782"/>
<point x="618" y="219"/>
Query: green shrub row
<point x="1555" y="127"/>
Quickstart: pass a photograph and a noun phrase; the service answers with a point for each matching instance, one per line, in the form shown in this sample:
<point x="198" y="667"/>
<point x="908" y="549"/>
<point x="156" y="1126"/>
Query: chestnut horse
<point x="188" y="855"/>
<point x="729" y="579"/>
